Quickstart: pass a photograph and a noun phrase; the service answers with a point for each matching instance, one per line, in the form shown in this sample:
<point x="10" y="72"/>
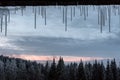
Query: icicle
<point x="93" y="7"/>
<point x="105" y="13"/>
<point x="39" y="10"/>
<point x="63" y="14"/>
<point x="119" y="14"/>
<point x="87" y="11"/>
<point x="84" y="12"/>
<point x="35" y="18"/>
<point x="6" y="25"/>
<point x="1" y="23"/>
<point x="80" y="10"/>
<point x="22" y="11"/>
<point x="66" y="18"/>
<point x="45" y="15"/>
<point x="114" y="9"/>
<point x="8" y="15"/>
<point x="119" y="19"/>
<point x="103" y="16"/>
<point x="101" y="20"/>
<point x="118" y="10"/>
<point x="15" y="11"/>
<point x="33" y="10"/>
<point x="74" y="11"/>
<point x="109" y="16"/>
<point x="42" y="11"/>
<point x="71" y="13"/>
<point x="98" y="15"/>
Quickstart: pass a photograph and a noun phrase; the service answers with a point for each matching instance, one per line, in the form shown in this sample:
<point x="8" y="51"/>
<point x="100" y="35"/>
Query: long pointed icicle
<point x="39" y="10"/>
<point x="80" y="10"/>
<point x="6" y="25"/>
<point x="33" y="10"/>
<point x="66" y="18"/>
<point x="74" y="11"/>
<point x="87" y="11"/>
<point x="101" y="18"/>
<point x="118" y="10"/>
<point x="98" y="15"/>
<point x="71" y="13"/>
<point x="115" y="11"/>
<point x="105" y="13"/>
<point x="1" y="23"/>
<point x="35" y="18"/>
<point x="42" y="11"/>
<point x="84" y="12"/>
<point x="8" y="16"/>
<point x="45" y="15"/>
<point x="22" y="11"/>
<point x="15" y="11"/>
<point x="104" y="16"/>
<point x="63" y="15"/>
<point x="109" y="16"/>
<point x="93" y="7"/>
<point x="119" y="14"/>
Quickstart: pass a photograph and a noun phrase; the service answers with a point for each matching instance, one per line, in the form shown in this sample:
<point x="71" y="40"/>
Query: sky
<point x="82" y="40"/>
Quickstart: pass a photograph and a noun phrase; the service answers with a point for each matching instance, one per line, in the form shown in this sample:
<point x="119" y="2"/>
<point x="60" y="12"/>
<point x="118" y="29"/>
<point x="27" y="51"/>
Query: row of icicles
<point x="104" y="14"/>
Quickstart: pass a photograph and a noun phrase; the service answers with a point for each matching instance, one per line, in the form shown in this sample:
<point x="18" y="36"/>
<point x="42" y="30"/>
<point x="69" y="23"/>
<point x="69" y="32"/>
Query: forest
<point x="19" y="69"/>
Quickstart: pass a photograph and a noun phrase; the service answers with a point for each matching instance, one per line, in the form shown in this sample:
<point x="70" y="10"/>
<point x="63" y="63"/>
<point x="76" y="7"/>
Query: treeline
<point x="18" y="69"/>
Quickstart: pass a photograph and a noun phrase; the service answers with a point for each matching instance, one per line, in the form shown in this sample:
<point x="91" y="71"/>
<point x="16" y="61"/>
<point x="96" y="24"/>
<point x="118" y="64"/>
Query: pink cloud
<point x="45" y="58"/>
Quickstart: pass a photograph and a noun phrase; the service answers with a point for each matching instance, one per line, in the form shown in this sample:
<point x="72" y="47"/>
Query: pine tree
<point x="108" y="72"/>
<point x="95" y="74"/>
<point x="118" y="70"/>
<point x="60" y="69"/>
<point x="81" y="72"/>
<point x="2" y="73"/>
<point x="100" y="70"/>
<point x="10" y="69"/>
<point x="88" y="71"/>
<point x="72" y="71"/>
<point x="46" y="71"/>
<point x="52" y="73"/>
<point x="21" y="69"/>
<point x="114" y="69"/>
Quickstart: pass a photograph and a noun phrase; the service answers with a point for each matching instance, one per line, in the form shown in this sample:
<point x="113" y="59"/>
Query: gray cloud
<point x="66" y="46"/>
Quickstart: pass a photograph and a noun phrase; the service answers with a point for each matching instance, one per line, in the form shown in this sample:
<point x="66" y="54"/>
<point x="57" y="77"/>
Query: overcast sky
<point x="83" y="38"/>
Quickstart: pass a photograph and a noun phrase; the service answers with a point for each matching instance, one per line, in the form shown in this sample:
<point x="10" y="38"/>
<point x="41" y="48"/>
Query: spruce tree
<point x="81" y="72"/>
<point x="60" y="69"/>
<point x="108" y="72"/>
<point x="52" y="73"/>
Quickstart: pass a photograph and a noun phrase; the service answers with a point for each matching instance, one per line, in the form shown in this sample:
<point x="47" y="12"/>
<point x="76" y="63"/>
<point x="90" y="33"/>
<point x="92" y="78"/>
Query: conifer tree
<point x="81" y="72"/>
<point x="52" y="73"/>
